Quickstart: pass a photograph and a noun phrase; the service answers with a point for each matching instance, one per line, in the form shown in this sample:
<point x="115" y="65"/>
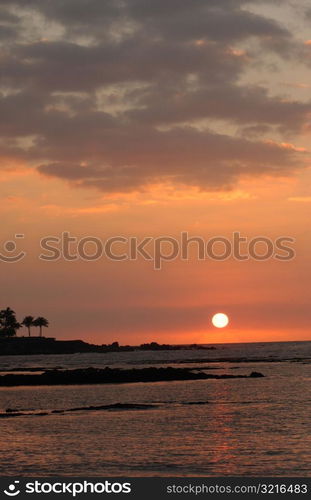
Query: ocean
<point x="214" y="427"/>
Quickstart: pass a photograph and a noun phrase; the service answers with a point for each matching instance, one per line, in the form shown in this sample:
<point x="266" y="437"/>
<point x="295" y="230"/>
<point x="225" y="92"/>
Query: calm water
<point x="248" y="427"/>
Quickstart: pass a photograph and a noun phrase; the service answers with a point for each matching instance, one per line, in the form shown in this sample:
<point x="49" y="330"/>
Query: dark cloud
<point x="8" y="25"/>
<point x="57" y="66"/>
<point x="110" y="99"/>
<point x="240" y="104"/>
<point x="208" y="20"/>
<point x="71" y="11"/>
<point x="180" y="19"/>
<point x="182" y="156"/>
<point x="6" y="32"/>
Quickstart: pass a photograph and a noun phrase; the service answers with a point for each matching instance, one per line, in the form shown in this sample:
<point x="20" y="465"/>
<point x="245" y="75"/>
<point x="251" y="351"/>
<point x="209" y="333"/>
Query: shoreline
<point x="29" y="346"/>
<point x="18" y="346"/>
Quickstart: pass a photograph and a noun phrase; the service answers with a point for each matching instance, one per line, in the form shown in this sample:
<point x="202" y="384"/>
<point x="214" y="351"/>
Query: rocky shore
<point x="111" y="376"/>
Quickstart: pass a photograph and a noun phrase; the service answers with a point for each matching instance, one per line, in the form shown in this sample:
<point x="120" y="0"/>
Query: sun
<point x="220" y="320"/>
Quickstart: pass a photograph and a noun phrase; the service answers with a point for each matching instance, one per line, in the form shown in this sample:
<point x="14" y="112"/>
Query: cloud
<point x="178" y="19"/>
<point x="182" y="156"/>
<point x="241" y="104"/>
<point x="115" y="95"/>
<point x="66" y="66"/>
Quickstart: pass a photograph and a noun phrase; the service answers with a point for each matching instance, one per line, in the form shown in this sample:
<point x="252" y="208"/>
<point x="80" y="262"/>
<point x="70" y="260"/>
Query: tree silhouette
<point x="28" y="322"/>
<point x="40" y="322"/>
<point x="8" y="323"/>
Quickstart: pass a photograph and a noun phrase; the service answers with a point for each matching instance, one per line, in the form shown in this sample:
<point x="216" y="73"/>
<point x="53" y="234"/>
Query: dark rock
<point x="256" y="375"/>
<point x="9" y="415"/>
<point x="196" y="403"/>
<point x="111" y="376"/>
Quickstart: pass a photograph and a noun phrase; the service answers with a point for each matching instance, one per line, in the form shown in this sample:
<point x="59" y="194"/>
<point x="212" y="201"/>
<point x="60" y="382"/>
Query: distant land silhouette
<point x="48" y="345"/>
<point x="11" y="345"/>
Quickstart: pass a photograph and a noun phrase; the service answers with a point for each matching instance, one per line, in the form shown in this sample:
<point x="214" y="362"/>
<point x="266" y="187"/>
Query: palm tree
<point x="28" y="321"/>
<point x="40" y="322"/>
<point x="8" y="323"/>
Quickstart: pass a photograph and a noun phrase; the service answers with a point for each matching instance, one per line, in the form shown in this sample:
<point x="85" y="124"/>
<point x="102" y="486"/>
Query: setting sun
<point x="220" y="320"/>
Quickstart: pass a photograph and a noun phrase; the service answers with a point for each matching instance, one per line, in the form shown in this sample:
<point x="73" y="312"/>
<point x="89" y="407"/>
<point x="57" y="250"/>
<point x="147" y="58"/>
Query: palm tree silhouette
<point x="28" y="321"/>
<point x="8" y="323"/>
<point x="40" y="322"/>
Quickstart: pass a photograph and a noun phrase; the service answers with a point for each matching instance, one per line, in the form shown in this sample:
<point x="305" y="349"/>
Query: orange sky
<point x="143" y="123"/>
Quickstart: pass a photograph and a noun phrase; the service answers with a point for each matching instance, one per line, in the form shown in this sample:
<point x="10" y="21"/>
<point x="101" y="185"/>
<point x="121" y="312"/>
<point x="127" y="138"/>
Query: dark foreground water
<point x="231" y="427"/>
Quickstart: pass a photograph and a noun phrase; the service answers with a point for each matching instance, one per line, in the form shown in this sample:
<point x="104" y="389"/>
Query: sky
<point x="135" y="118"/>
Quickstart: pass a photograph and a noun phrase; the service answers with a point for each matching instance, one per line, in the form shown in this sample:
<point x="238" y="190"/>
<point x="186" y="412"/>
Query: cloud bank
<point x="124" y="94"/>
